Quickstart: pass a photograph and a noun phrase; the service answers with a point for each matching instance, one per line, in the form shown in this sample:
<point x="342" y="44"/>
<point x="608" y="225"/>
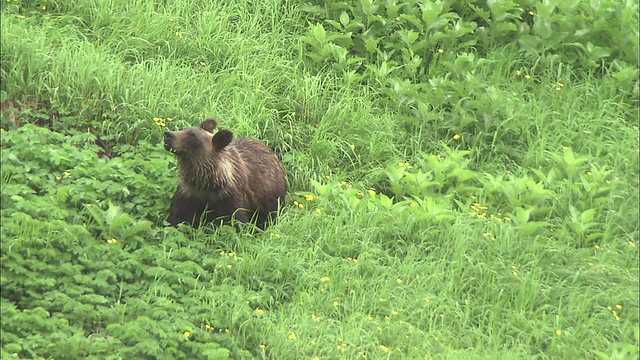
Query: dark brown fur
<point x="220" y="176"/>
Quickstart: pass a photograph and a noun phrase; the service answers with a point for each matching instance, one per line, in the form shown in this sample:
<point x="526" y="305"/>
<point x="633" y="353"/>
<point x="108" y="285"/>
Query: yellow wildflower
<point x="292" y="336"/>
<point x="399" y="280"/>
<point x="456" y="137"/>
<point x="558" y="332"/>
<point x="187" y="334"/>
<point x="441" y="51"/>
<point x="262" y="346"/>
<point x="384" y="348"/>
<point x="518" y="73"/>
<point x="527" y="76"/>
<point x="309" y="197"/>
<point x="325" y="279"/>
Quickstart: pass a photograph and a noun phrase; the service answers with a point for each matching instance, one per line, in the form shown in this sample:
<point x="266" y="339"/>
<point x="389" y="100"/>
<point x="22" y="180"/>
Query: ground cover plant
<point x="463" y="179"/>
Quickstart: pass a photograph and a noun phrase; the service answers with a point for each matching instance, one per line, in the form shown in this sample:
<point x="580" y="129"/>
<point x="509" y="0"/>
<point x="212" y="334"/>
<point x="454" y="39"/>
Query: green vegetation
<point x="463" y="179"/>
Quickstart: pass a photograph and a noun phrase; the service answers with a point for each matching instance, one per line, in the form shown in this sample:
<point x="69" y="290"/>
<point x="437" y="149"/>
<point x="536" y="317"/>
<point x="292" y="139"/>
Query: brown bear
<point x="220" y="176"/>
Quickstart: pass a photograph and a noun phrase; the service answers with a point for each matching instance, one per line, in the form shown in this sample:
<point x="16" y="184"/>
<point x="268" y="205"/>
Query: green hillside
<point x="463" y="179"/>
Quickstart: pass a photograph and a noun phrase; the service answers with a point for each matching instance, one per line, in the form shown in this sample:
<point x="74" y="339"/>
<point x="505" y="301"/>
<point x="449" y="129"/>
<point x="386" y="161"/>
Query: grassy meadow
<point x="463" y="179"/>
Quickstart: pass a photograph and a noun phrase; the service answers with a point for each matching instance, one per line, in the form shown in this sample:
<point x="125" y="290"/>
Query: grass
<point x="502" y="224"/>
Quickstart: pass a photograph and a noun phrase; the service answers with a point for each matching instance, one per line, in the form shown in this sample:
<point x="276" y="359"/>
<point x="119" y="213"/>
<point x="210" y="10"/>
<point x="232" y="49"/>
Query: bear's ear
<point x="221" y="139"/>
<point x="209" y="124"/>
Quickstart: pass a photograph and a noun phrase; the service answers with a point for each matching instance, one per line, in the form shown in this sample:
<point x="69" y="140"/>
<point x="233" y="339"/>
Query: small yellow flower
<point x="515" y="94"/>
<point x="531" y="13"/>
<point x="590" y="264"/>
<point x="609" y="308"/>
<point x="353" y="147"/>
<point x="607" y="181"/>
<point x="159" y="121"/>
<point x="518" y="73"/>
<point x="301" y="206"/>
<point x="360" y="194"/>
<point x="292" y="336"/>
<point x="309" y="197"/>
<point x="112" y="241"/>
<point x="514" y="273"/>
<point x="336" y="303"/>
<point x="316" y="357"/>
<point x="328" y="177"/>
<point x="456" y="137"/>
<point x="394" y="313"/>
<point x="412" y="204"/>
<point x="399" y="280"/>
<point x="222" y="253"/>
<point x="208" y="327"/>
<point x="277" y="236"/>
<point x="325" y="279"/>
<point x="558" y="332"/>
<point x="259" y="311"/>
<point x="370" y="318"/>
<point x="372" y="192"/>
<point x="384" y="348"/>
<point x="318" y="211"/>
<point x="227" y="331"/>
<point x="187" y="334"/>
<point x="383" y="299"/>
<point x="44" y="8"/>
<point x="527" y="76"/>
<point x="441" y="51"/>
<point x="427" y="300"/>
<point x="179" y="34"/>
<point x="558" y="88"/>
<point x="560" y="84"/>
<point x="597" y="247"/>
<point x="398" y="19"/>
<point x="631" y="244"/>
<point x="401" y="164"/>
<point x="589" y="173"/>
<point x="20" y="16"/>
<point x="262" y="346"/>
<point x="379" y="328"/>
<point x="618" y="306"/>
<point x="229" y="266"/>
<point x="355" y="260"/>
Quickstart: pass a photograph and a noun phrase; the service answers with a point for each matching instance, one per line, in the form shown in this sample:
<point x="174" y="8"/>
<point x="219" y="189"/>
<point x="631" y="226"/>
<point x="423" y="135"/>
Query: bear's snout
<point x="168" y="138"/>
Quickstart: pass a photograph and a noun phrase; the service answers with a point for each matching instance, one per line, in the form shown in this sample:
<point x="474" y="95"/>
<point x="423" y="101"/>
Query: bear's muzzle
<point x="168" y="139"/>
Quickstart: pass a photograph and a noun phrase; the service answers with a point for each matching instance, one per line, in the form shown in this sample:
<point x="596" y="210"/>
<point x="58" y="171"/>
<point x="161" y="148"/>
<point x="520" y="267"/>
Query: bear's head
<point x="194" y="142"/>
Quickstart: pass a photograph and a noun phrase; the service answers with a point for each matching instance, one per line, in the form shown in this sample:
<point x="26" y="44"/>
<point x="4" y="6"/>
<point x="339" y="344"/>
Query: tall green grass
<point x="502" y="223"/>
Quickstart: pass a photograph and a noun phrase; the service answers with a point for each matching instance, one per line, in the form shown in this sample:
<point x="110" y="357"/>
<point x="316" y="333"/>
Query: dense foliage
<point x="463" y="179"/>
